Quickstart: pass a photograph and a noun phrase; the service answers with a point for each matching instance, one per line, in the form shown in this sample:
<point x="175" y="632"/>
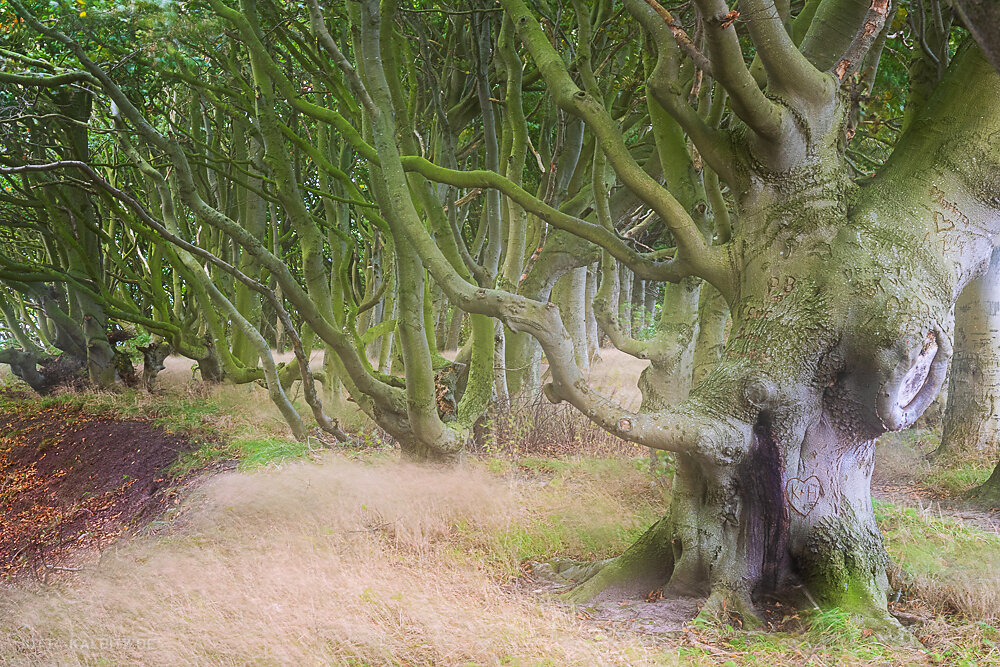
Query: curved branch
<point x="366" y="383"/>
<point x="680" y="432"/>
<point x="704" y="260"/>
<point x="683" y="40"/>
<point x="787" y="69"/>
<point x="46" y="80"/>
<point x="670" y="270"/>
<point x="712" y="144"/>
<point x="869" y="31"/>
<point x="760" y="114"/>
<point x="831" y="30"/>
<point x="326" y="41"/>
<point x="982" y="18"/>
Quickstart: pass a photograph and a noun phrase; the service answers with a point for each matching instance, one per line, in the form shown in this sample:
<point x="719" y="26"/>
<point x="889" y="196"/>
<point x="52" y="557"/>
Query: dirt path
<point x="71" y="482"/>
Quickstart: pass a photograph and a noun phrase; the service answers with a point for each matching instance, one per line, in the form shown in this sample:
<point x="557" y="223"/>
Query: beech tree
<point x="765" y="190"/>
<point x="838" y="290"/>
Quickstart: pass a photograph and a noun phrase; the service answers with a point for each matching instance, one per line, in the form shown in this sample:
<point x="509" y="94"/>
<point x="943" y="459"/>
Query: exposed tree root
<point x="989" y="492"/>
<point x="728" y="606"/>
<point x="643" y="567"/>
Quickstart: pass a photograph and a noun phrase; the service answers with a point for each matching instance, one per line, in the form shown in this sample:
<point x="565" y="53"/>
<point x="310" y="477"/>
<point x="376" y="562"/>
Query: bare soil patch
<point x="71" y="482"/>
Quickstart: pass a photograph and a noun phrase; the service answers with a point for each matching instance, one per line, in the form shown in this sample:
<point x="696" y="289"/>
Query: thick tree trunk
<point x="772" y="487"/>
<point x="24" y="365"/>
<point x="153" y="356"/>
<point x="989" y="492"/>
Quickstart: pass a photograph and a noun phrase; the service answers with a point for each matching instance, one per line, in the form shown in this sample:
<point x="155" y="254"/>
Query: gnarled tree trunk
<point x="839" y="333"/>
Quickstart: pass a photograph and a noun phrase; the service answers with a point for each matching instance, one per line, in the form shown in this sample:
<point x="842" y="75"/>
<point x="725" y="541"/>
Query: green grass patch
<point x="959" y="480"/>
<point x="252" y="453"/>
<point x="948" y="563"/>
<point x="581" y="508"/>
<point x="172" y="412"/>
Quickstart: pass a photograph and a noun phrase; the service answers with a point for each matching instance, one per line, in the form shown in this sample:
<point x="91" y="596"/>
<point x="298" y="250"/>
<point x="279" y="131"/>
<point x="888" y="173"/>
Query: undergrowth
<point x="354" y="558"/>
<point x="907" y="458"/>
<point x="943" y="561"/>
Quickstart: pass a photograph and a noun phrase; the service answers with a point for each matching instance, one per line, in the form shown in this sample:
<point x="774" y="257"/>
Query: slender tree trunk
<point x="625" y="299"/>
<point x="593" y="345"/>
<point x="667" y="380"/>
<point x="649" y="303"/>
<point x="639" y="320"/>
<point x="454" y="329"/>
<point x="570" y="295"/>
<point x="713" y="314"/>
<point x="500" y="389"/>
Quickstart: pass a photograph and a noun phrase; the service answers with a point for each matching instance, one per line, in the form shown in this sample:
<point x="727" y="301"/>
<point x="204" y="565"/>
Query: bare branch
<point x="869" y="31"/>
<point x="711" y="143"/>
<point x="682" y="38"/>
<point x="327" y="42"/>
<point x="606" y="238"/>
<point x="703" y="260"/>
<point x="760" y="114"/>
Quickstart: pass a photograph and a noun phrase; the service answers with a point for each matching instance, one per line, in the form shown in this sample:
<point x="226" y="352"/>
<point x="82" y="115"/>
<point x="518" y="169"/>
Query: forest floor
<point x="73" y="482"/>
<point x="186" y="528"/>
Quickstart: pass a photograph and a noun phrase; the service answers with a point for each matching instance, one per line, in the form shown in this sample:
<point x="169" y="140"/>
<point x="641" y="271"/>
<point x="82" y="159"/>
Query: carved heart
<point x="803" y="494"/>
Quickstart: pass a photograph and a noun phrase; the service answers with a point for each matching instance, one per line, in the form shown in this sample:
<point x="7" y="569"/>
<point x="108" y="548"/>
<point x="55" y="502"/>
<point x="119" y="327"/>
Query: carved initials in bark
<point x="803" y="494"/>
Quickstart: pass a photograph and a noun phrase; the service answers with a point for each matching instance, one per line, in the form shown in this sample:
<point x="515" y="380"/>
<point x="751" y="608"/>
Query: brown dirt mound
<point x="71" y="482"/>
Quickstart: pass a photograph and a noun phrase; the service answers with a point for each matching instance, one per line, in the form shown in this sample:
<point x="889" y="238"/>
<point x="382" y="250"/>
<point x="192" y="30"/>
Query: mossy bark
<point x="775" y="497"/>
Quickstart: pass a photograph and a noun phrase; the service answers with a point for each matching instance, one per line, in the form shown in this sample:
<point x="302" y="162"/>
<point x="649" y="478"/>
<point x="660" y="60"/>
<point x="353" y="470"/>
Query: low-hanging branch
<point x="686" y="429"/>
<point x="670" y="270"/>
<point x="309" y="389"/>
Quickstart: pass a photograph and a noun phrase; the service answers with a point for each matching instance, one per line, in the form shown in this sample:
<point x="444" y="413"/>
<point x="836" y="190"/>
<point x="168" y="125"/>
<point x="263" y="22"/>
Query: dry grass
<point x="536" y="426"/>
<point x="900" y="458"/>
<point x="375" y="562"/>
<point x="949" y="565"/>
<point x="340" y="563"/>
<point x="905" y="459"/>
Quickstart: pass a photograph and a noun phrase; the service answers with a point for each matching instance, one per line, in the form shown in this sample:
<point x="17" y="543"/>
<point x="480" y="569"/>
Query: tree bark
<point x="776" y="493"/>
<point x="593" y="344"/>
<point x="625" y="300"/>
<point x="972" y="415"/>
<point x="639" y="319"/>
<point x="570" y="295"/>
